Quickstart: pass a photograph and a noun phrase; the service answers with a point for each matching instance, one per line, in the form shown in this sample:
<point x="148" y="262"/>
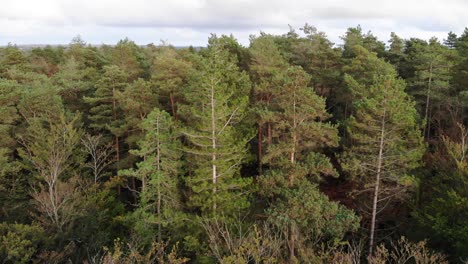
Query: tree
<point x="170" y="72"/>
<point x="444" y="201"/>
<point x="11" y="57"/>
<point x="385" y="142"/>
<point x="49" y="148"/>
<point x="129" y="58"/>
<point x="317" y="56"/>
<point x="451" y="41"/>
<point x="266" y="66"/>
<point x="136" y="101"/>
<point x="295" y="160"/>
<point x="396" y="51"/>
<point x="430" y="85"/>
<point x="71" y="80"/>
<point x="159" y="171"/>
<point x="20" y="243"/>
<point x="13" y="187"/>
<point x="99" y="155"/>
<point x="354" y="37"/>
<point x="106" y="113"/>
<point x="216" y="108"/>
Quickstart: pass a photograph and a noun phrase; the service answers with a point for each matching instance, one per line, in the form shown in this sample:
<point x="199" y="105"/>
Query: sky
<point x="190" y="22"/>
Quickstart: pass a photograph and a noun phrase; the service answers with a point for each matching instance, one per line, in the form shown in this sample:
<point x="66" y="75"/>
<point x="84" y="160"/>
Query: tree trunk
<point x="117" y="158"/>
<point x="260" y="150"/>
<point x="143" y="179"/>
<point x="377" y="183"/>
<point x="158" y="167"/>
<point x="114" y="115"/>
<point x="213" y="142"/>
<point x="292" y="232"/>
<point x="292" y="244"/>
<point x="173" y="106"/>
<point x="426" y="115"/>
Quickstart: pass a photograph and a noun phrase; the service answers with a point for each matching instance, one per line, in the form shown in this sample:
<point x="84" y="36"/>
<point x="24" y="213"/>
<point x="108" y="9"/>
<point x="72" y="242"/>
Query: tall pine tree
<point x="217" y="142"/>
<point x="384" y="138"/>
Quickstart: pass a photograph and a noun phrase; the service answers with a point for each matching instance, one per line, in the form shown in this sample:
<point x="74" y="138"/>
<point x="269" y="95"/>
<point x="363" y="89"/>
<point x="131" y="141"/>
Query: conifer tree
<point x="129" y="58"/>
<point x="137" y="100"/>
<point x="170" y="71"/>
<point x="430" y="86"/>
<point x="296" y="162"/>
<point x="317" y="56"/>
<point x="266" y="67"/>
<point x="13" y="187"/>
<point x="217" y="146"/>
<point x="159" y="173"/>
<point x="385" y="140"/>
<point x="106" y="113"/>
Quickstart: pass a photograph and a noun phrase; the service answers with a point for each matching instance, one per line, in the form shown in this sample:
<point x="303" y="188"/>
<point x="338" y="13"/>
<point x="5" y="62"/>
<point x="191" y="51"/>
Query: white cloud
<point x="184" y="22"/>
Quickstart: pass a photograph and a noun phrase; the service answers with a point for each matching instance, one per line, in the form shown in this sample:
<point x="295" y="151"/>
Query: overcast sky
<point x="190" y="22"/>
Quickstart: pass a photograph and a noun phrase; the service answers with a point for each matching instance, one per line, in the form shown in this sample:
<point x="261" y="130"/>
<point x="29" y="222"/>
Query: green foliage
<point x="137" y="144"/>
<point x="380" y="98"/>
<point x="49" y="152"/>
<point x="105" y="112"/>
<point x="159" y="173"/>
<point x="170" y="72"/>
<point x="354" y="37"/>
<point x="217" y="103"/>
<point x="444" y="211"/>
<point x="384" y="141"/>
<point x="20" y="243"/>
<point x="317" y="219"/>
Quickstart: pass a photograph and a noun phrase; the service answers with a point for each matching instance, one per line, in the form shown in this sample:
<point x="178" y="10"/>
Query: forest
<point x="291" y="150"/>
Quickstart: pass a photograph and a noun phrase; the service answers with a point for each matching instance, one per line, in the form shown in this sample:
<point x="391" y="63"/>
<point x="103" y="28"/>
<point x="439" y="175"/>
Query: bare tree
<point x="49" y="148"/>
<point x="100" y="155"/>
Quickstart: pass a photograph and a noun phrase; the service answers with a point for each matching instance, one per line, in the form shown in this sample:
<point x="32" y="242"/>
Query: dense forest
<point x="290" y="150"/>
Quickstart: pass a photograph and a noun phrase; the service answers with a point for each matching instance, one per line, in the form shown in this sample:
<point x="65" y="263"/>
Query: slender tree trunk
<point x="117" y="158"/>
<point x="213" y="142"/>
<point x="143" y="179"/>
<point x="260" y="150"/>
<point x="428" y="92"/>
<point x="292" y="244"/>
<point x="134" y="192"/>
<point x="173" y="106"/>
<point x="292" y="231"/>
<point x="53" y="202"/>
<point x="158" y="167"/>
<point x="269" y="134"/>
<point x="116" y="146"/>
<point x="269" y="126"/>
<point x="377" y="183"/>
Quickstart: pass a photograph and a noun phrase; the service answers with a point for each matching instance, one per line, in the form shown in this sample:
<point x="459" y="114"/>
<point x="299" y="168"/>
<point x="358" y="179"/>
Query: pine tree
<point x="444" y="203"/>
<point x="106" y="113"/>
<point x="137" y="100"/>
<point x="354" y="37"/>
<point x="129" y="58"/>
<point x="430" y="85"/>
<point x="161" y="152"/>
<point x="295" y="159"/>
<point x="13" y="187"/>
<point x="170" y="72"/>
<point x="266" y="67"/>
<point x="217" y="146"/>
<point x="317" y="56"/>
<point x="385" y="141"/>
